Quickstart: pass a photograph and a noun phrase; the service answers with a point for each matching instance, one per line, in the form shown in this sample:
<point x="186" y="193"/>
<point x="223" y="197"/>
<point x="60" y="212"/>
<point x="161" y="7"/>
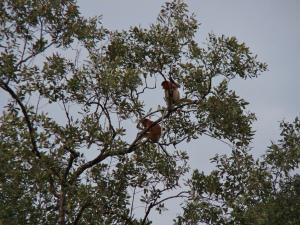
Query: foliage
<point x="242" y="190"/>
<point x="75" y="92"/>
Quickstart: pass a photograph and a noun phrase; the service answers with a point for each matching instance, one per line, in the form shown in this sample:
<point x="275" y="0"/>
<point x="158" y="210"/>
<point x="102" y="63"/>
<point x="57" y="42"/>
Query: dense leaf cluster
<point x="242" y="190"/>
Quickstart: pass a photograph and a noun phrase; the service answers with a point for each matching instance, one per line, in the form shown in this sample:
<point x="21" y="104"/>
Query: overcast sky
<point x="269" y="27"/>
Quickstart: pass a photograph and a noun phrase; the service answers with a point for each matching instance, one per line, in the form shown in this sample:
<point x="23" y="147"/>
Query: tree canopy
<point x="75" y="93"/>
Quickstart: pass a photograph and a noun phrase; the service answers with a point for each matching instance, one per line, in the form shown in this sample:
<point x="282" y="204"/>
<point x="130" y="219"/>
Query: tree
<point x="75" y="93"/>
<point x="246" y="191"/>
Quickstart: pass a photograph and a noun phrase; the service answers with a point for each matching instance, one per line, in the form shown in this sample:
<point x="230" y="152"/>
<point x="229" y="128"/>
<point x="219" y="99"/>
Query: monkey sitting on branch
<point x="153" y="132"/>
<point x="172" y="95"/>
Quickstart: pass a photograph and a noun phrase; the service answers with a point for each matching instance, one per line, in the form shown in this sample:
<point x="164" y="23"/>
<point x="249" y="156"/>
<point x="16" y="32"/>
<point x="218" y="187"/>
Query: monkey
<point x="172" y="95"/>
<point x="154" y="132"/>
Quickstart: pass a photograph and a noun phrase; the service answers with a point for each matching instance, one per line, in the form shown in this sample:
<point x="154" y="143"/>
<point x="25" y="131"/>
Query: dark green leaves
<point x="285" y="156"/>
<point x="226" y="117"/>
<point x="242" y="190"/>
<point x="230" y="58"/>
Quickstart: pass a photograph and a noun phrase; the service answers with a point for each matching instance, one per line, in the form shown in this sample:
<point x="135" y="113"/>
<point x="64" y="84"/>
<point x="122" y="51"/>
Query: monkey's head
<point x="167" y="85"/>
<point x="146" y="122"/>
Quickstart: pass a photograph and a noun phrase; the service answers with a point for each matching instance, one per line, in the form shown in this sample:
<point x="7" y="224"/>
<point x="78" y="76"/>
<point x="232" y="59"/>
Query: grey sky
<point x="269" y="27"/>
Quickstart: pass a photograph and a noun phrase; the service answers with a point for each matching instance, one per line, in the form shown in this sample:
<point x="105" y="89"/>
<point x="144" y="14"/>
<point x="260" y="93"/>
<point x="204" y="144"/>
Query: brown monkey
<point x="172" y="95"/>
<point x="154" y="132"/>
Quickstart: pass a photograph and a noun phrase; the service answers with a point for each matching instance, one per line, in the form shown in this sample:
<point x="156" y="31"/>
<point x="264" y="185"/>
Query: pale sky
<point x="269" y="27"/>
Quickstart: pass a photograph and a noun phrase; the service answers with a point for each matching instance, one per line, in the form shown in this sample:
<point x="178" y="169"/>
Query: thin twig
<point x="33" y="54"/>
<point x="133" y="196"/>
<point x="219" y="139"/>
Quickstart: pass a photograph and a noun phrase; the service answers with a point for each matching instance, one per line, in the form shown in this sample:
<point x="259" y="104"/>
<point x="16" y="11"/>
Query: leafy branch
<point x="28" y="121"/>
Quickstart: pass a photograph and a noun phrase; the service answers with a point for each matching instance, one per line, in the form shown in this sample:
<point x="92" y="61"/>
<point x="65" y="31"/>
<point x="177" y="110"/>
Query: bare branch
<point x="175" y="142"/>
<point x="24" y="49"/>
<point x="219" y="139"/>
<point x="66" y="110"/>
<point x="34" y="54"/>
<point x="89" y="164"/>
<point x="133" y="196"/>
<point x="146" y="87"/>
<point x="179" y="195"/>
<point x="155" y="203"/>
